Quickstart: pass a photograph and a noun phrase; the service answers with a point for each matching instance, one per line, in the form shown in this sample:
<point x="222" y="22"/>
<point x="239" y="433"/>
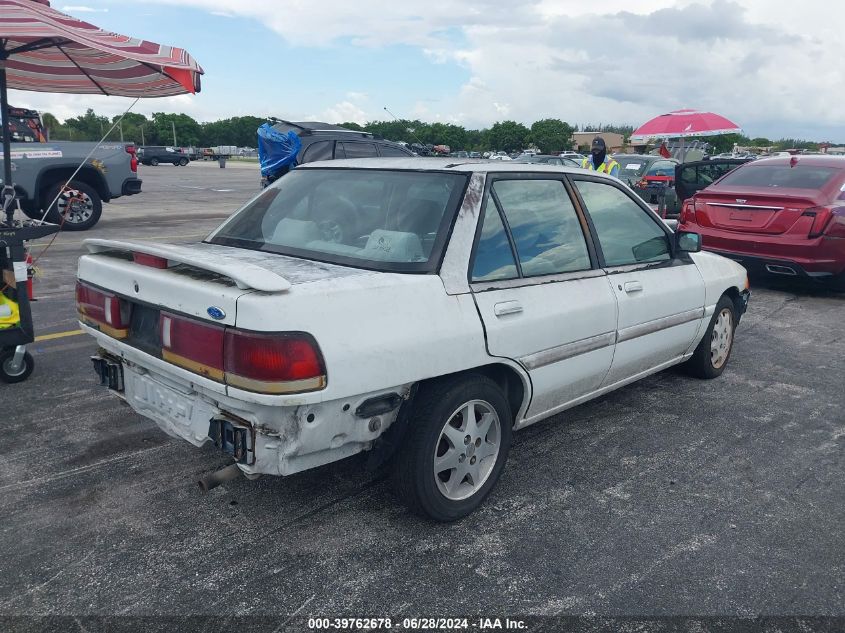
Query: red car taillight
<point x="103" y="310"/>
<point x="152" y="261"/>
<point x="273" y="363"/>
<point x="192" y="344"/>
<point x="133" y="160"/>
<point x="687" y="213"/>
<point x="836" y="224"/>
<point x="277" y="363"/>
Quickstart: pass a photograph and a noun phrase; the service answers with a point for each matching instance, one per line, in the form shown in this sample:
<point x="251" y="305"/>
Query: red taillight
<point x="688" y="213"/>
<point x="288" y="362"/>
<point x="103" y="310"/>
<point x="133" y="160"/>
<point x="192" y="344"/>
<point x="836" y="225"/>
<point x="149" y="260"/>
<point x="273" y="363"/>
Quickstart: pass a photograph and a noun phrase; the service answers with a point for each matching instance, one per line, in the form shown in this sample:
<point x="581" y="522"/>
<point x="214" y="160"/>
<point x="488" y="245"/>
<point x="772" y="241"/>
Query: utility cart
<point x="16" y="329"/>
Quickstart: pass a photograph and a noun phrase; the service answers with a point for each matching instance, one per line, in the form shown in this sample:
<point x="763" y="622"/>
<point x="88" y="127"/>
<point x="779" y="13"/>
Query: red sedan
<point x="785" y="216"/>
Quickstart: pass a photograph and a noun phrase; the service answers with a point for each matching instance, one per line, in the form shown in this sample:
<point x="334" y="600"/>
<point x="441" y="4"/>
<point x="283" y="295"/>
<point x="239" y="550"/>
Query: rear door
<point x="660" y="297"/>
<point x="536" y="282"/>
<point x="692" y="177"/>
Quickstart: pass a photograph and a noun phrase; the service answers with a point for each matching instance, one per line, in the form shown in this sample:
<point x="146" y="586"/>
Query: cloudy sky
<point x="772" y="66"/>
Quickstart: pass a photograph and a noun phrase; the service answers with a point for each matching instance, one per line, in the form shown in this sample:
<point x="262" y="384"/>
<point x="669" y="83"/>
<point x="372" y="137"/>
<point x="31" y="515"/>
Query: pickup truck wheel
<point x="154" y="162"/>
<point x="712" y="354"/>
<point x="183" y="162"/>
<point x="455" y="448"/>
<point x="78" y="206"/>
<point x="22" y="373"/>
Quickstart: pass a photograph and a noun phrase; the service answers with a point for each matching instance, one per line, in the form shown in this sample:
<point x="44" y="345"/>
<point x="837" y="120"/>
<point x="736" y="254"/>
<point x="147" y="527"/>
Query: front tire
<point x="78" y="206"/>
<point x="154" y="162"/>
<point x="455" y="448"/>
<point x="713" y="352"/>
<point x="6" y="373"/>
<point x="183" y="162"/>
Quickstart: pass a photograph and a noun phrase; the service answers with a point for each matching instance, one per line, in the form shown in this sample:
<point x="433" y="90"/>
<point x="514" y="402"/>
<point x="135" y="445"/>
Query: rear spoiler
<point x="246" y="276"/>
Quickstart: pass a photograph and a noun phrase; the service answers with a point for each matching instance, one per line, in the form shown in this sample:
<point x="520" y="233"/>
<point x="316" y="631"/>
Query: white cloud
<point x="774" y="66"/>
<point x="222" y="14"/>
<point x="341" y="113"/>
<point x="81" y="9"/>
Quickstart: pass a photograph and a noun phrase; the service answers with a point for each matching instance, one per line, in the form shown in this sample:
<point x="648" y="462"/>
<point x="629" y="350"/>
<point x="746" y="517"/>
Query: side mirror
<point x="688" y="242"/>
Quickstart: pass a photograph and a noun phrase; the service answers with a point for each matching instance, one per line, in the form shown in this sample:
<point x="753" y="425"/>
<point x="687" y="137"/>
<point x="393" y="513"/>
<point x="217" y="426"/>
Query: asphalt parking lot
<point x="669" y="497"/>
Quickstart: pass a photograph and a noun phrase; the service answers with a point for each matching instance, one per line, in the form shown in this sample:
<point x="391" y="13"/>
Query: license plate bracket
<point x="233" y="439"/>
<point x="110" y="372"/>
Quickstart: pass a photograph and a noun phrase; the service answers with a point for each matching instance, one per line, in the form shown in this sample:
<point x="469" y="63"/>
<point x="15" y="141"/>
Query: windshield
<point x="798" y="177"/>
<point x="384" y="220"/>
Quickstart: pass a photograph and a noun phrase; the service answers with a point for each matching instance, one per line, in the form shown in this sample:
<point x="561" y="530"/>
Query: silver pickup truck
<point x="41" y="170"/>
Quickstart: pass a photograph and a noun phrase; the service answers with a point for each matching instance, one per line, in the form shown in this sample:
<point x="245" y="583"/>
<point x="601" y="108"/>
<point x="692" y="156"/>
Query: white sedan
<point x="421" y="309"/>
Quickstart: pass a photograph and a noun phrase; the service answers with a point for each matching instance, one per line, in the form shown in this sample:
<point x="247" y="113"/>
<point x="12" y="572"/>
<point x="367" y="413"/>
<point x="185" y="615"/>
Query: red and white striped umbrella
<point x="47" y="51"/>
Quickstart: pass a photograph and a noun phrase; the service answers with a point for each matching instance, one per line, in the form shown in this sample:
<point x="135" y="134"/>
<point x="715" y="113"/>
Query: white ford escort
<point x="420" y="309"/>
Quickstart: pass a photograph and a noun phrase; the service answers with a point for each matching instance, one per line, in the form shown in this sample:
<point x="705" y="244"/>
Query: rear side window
<point x="321" y="150"/>
<point x="784" y="176"/>
<point x="626" y="233"/>
<point x="662" y="168"/>
<point x="493" y="255"/>
<point x="358" y="150"/>
<point x="544" y="225"/>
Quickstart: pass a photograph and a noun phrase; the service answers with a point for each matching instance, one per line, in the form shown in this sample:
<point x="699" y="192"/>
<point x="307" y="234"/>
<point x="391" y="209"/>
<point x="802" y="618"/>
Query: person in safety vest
<point x="9" y="313"/>
<point x="599" y="161"/>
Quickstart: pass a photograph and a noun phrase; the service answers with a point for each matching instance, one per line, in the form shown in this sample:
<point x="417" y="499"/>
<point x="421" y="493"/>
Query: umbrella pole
<point x="8" y="188"/>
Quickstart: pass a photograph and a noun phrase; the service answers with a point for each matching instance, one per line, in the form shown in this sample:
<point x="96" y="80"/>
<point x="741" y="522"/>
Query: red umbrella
<point x="44" y="50"/>
<point x="684" y="123"/>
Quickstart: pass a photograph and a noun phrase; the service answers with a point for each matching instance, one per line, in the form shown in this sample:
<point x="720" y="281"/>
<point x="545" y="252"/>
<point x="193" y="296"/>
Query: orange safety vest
<point x="605" y="168"/>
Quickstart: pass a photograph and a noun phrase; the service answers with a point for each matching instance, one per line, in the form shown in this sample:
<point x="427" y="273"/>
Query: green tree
<point x="87" y="127"/>
<point x="508" y="136"/>
<point x="551" y="135"/>
<point x="188" y="131"/>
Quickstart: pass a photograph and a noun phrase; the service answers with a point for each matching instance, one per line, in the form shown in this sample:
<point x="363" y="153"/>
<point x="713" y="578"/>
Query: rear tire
<point x="79" y="203"/>
<point x="713" y="352"/>
<point x="7" y="375"/>
<point x="455" y="448"/>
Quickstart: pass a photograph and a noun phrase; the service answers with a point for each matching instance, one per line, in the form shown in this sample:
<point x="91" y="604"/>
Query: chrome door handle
<point x="507" y="307"/>
<point x="633" y="286"/>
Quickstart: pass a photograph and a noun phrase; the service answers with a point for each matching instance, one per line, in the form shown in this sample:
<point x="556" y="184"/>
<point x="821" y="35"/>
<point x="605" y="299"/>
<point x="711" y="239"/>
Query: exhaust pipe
<point x="218" y="477"/>
<point x="781" y="270"/>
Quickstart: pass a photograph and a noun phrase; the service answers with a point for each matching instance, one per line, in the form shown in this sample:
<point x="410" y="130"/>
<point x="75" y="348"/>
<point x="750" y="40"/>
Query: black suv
<point x="324" y="141"/>
<point x="155" y="154"/>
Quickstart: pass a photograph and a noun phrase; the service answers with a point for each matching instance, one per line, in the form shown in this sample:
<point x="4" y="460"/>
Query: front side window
<point x="389" y="150"/>
<point x="544" y="225"/>
<point x="626" y="232"/>
<point x="391" y="220"/>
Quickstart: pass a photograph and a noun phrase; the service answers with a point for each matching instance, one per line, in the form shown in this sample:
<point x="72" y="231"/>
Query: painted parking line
<point x="55" y="335"/>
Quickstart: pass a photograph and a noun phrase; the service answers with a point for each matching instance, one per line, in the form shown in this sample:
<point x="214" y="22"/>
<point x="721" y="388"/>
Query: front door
<point x="660" y="296"/>
<point x="539" y="290"/>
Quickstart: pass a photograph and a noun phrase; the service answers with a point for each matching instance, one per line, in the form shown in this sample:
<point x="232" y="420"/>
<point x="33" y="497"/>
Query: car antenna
<point x="410" y="130"/>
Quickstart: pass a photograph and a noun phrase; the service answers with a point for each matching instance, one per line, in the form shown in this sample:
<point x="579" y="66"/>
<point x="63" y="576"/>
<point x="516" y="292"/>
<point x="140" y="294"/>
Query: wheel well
<point x="506" y="377"/>
<point x="733" y="294"/>
<point x="88" y="175"/>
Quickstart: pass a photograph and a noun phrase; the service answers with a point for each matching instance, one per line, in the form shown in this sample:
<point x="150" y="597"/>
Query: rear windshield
<point x="798" y="177"/>
<point x="377" y="219"/>
<point x="631" y="167"/>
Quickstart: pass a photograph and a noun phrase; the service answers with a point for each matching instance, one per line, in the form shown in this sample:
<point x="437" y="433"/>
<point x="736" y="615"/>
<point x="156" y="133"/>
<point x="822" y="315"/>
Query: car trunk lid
<point x="751" y="212"/>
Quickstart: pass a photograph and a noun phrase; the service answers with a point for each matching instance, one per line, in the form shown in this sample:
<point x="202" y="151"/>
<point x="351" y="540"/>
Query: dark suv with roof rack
<point x="324" y="141"/>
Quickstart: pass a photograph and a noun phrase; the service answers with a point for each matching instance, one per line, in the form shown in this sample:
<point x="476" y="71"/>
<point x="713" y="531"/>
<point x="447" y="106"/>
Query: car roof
<point x="445" y="164"/>
<point x="814" y="160"/>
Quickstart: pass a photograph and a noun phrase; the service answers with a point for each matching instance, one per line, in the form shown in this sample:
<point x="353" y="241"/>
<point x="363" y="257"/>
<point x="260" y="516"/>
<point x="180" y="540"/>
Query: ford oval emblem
<point x="216" y="313"/>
